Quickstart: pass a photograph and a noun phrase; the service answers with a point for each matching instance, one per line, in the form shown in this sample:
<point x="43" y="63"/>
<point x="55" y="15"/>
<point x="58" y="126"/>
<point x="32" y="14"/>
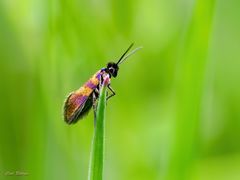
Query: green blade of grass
<point x="97" y="149"/>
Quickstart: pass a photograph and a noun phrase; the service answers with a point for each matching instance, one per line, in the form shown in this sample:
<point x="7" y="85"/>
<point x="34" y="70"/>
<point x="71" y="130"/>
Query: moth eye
<point x="111" y="70"/>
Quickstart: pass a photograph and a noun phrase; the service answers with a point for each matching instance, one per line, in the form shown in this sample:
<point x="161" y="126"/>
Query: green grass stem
<point x="97" y="148"/>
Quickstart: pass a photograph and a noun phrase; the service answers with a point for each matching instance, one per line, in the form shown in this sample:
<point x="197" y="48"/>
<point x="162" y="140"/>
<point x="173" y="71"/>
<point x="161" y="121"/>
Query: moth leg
<point x="96" y="91"/>
<point x="100" y="82"/>
<point x="113" y="92"/>
<point x="94" y="95"/>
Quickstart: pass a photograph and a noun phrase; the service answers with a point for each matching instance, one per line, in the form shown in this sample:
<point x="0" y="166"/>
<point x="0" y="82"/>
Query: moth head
<point x="112" y="69"/>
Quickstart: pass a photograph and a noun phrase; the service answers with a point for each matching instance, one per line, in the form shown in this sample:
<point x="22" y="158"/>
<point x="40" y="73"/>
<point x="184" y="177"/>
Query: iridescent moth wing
<point x="79" y="102"/>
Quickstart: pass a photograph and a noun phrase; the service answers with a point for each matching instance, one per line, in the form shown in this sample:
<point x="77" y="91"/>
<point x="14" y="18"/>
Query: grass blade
<point x="97" y="149"/>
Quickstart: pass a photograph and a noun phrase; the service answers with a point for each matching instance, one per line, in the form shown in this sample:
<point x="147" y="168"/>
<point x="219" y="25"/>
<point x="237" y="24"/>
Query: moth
<point x="79" y="102"/>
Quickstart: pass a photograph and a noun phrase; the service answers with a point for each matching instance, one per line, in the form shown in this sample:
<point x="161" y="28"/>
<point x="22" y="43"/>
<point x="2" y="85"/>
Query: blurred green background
<point x="177" y="110"/>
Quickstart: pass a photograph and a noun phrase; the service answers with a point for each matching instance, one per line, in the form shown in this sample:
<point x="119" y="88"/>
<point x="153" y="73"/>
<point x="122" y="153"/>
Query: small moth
<point x="79" y="102"/>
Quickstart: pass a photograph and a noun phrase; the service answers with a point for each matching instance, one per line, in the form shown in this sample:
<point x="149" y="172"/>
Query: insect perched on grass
<point x="79" y="102"/>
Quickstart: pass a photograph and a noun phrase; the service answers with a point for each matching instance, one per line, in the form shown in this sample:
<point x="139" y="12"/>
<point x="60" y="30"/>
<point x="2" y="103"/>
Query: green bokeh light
<point x="176" y="113"/>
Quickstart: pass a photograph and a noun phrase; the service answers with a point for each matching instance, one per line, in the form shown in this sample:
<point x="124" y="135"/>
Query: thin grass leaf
<point x="97" y="149"/>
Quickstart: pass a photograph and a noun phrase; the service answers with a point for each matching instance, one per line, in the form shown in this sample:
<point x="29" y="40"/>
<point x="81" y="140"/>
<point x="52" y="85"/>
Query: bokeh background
<point x="177" y="110"/>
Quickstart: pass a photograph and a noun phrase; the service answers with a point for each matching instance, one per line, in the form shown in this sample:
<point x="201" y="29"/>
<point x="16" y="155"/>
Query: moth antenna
<point x="125" y="53"/>
<point x="131" y="53"/>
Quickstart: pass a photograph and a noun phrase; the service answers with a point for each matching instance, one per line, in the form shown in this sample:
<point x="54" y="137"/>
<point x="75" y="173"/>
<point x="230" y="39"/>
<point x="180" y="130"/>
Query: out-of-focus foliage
<point x="176" y="114"/>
